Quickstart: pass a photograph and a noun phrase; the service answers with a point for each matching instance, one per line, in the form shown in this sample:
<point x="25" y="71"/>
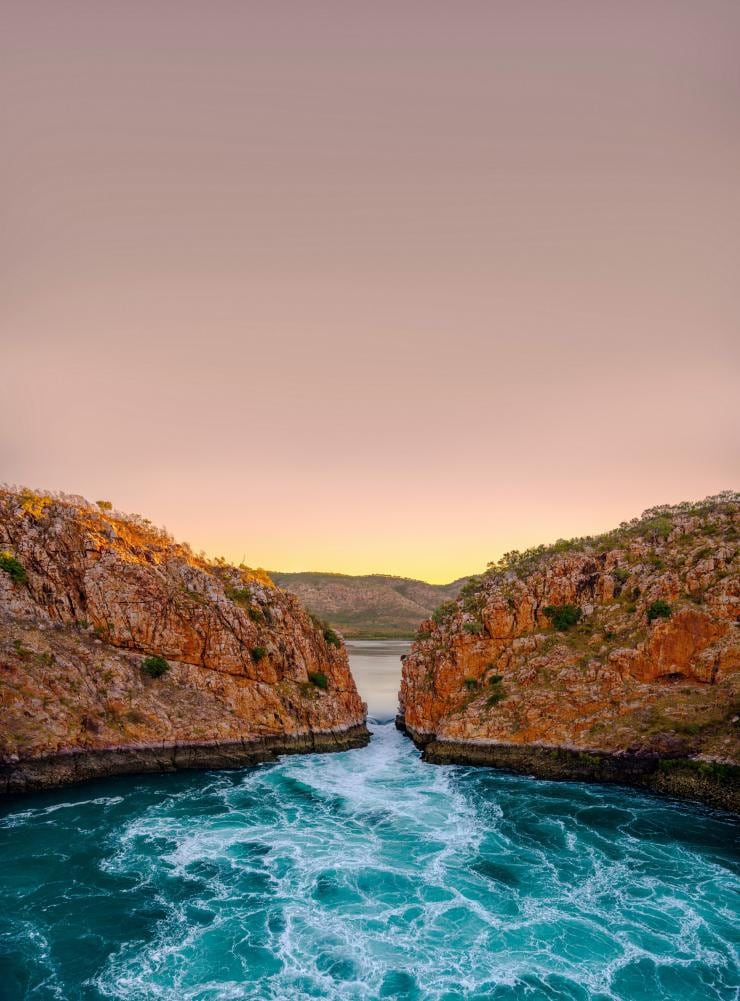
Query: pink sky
<point x="371" y="287"/>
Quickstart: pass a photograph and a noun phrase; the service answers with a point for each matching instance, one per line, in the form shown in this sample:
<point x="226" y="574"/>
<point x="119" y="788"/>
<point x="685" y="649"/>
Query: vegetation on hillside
<point x="374" y="606"/>
<point x="654" y="525"/>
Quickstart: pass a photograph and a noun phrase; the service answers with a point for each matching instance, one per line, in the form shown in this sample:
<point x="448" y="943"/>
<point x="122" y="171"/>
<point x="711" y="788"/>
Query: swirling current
<point x="365" y="875"/>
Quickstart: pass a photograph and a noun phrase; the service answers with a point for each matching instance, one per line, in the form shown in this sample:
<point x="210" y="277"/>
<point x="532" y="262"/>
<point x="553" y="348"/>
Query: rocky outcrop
<point x="121" y="650"/>
<point x="615" y="658"/>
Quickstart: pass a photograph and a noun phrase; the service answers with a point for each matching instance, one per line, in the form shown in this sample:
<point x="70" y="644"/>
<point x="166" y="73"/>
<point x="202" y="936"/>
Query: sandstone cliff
<point x="92" y="600"/>
<point x="614" y="658"/>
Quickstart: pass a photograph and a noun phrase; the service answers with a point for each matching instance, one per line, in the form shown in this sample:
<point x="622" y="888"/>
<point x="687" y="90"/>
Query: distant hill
<point x="375" y="606"/>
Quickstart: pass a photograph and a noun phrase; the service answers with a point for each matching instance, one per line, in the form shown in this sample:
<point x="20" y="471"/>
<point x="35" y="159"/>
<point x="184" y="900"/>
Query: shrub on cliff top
<point x="13" y="567"/>
<point x="104" y="505"/>
<point x="444" y="611"/>
<point x="34" y="504"/>
<point x="659" y="610"/>
<point x="659" y="528"/>
<point x="319" y="679"/>
<point x="655" y="523"/>
<point x="472" y="586"/>
<point x="256" y="573"/>
<point x="154" y="667"/>
<point x="563" y="616"/>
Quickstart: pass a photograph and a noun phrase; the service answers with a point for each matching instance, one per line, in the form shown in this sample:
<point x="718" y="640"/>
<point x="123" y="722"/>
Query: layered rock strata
<point x="121" y="650"/>
<point x="614" y="658"/>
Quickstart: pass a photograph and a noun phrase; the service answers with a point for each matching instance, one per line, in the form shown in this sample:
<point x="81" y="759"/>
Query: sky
<point x="384" y="287"/>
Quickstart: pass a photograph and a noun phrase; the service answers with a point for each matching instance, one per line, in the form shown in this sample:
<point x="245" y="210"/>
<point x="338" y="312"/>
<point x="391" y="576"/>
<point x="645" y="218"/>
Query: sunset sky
<point x="394" y="286"/>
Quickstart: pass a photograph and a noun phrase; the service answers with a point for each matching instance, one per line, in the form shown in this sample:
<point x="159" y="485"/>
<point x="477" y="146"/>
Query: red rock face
<point x="100" y="592"/>
<point x="629" y="673"/>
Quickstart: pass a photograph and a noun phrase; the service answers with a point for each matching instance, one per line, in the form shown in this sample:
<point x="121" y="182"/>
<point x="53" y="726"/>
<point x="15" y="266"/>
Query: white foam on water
<point x="22" y="817"/>
<point x="322" y="876"/>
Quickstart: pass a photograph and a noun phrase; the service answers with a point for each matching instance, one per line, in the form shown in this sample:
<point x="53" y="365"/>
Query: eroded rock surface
<point x="626" y="644"/>
<point x="87" y="594"/>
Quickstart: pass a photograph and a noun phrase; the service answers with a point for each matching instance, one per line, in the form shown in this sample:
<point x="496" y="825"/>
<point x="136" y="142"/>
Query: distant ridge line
<point x="367" y="606"/>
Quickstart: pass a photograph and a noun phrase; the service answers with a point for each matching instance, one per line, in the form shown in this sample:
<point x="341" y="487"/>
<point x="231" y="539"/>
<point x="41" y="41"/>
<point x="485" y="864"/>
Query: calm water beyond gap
<point x="376" y="666"/>
<point x="365" y="875"/>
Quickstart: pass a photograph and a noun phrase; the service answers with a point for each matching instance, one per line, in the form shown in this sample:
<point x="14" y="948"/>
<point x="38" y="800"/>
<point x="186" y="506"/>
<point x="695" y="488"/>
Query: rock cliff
<point x="120" y="650"/>
<point x="614" y="658"/>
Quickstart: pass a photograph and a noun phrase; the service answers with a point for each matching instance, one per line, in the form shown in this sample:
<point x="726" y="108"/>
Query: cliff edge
<point x="613" y="658"/>
<point x="122" y="651"/>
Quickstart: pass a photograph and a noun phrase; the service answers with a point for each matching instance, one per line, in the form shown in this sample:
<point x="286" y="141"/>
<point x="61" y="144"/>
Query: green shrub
<point x="258" y="653"/>
<point x="443" y="611"/>
<point x="659" y="610"/>
<point x="563" y="616"/>
<point x="154" y="667"/>
<point x="495" y="697"/>
<point x="239" y="595"/>
<point x="331" y="637"/>
<point x="620" y="574"/>
<point x="471" y="684"/>
<point x="472" y="603"/>
<point x="475" y="628"/>
<point x="659" y="528"/>
<point x="104" y="505"/>
<point x="495" y="679"/>
<point x="692" y="729"/>
<point x="13" y="567"/>
<point x="318" y="679"/>
<point x="34" y="504"/>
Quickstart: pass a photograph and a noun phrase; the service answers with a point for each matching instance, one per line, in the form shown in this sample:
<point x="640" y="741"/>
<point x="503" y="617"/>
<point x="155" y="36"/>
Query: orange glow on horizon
<point x="392" y="289"/>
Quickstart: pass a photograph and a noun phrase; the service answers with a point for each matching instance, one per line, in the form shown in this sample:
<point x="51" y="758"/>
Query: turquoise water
<point x="364" y="875"/>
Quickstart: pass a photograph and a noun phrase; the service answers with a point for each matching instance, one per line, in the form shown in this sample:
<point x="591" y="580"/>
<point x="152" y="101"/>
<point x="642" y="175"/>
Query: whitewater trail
<point x="365" y="875"/>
